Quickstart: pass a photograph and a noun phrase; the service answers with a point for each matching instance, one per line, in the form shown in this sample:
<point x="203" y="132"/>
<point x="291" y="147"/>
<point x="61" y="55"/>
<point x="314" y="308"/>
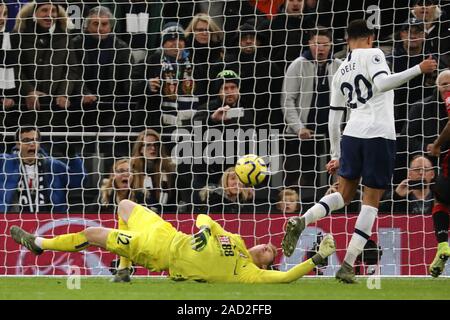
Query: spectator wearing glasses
<point x="413" y="194"/>
<point x="204" y="43"/>
<point x="153" y="172"/>
<point x="34" y="182"/>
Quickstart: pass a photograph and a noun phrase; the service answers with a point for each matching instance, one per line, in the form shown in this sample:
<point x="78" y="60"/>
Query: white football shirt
<point x="372" y="111"/>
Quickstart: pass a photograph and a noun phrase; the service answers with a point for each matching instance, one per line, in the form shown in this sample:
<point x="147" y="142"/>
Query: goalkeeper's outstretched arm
<point x="327" y="248"/>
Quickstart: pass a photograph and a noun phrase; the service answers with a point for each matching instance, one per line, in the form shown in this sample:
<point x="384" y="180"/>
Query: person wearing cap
<point x="408" y="51"/>
<point x="436" y="27"/>
<point x="169" y="84"/>
<point x="47" y="80"/>
<point x="261" y="81"/>
<point x="215" y="112"/>
<point x="221" y="113"/>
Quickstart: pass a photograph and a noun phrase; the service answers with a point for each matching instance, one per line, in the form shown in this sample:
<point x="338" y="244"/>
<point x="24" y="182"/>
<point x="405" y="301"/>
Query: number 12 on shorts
<point x="123" y="239"/>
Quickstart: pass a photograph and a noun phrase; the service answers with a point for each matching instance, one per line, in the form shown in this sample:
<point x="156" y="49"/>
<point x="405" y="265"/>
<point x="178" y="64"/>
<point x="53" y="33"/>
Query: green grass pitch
<point x="165" y="289"/>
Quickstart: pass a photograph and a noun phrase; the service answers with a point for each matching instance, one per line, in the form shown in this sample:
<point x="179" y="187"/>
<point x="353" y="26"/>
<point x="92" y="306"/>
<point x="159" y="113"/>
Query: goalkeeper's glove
<point x="200" y="239"/>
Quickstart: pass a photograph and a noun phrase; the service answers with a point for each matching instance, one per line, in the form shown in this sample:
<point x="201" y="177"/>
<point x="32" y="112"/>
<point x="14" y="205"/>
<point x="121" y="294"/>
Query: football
<point x="251" y="169"/>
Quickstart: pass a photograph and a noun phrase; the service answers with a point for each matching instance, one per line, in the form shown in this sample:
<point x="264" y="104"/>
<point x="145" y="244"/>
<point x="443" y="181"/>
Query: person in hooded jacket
<point x="305" y="103"/>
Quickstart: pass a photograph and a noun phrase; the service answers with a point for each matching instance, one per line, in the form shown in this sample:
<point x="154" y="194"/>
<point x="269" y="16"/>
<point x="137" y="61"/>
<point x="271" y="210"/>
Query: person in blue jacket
<point x="32" y="181"/>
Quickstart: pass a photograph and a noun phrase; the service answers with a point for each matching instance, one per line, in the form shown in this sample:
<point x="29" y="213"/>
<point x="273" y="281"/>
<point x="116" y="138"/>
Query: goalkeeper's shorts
<point x="147" y="240"/>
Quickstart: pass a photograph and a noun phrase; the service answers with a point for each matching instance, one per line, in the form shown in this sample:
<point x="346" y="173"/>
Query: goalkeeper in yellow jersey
<point x="212" y="254"/>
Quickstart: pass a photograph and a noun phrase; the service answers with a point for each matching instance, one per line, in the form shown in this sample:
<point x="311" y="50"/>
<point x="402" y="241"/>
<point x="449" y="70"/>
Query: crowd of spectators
<point x="151" y="68"/>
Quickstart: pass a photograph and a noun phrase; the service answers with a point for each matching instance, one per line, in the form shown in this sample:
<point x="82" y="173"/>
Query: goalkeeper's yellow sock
<point x="70" y="242"/>
<point x="124" y="262"/>
<point x="443" y="247"/>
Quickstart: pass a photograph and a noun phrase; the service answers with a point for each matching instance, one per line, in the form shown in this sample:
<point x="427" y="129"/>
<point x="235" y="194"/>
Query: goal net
<point x="155" y="101"/>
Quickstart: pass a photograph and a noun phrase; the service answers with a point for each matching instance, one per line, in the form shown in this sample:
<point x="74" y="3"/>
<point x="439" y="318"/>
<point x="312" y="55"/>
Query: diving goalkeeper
<point x="211" y="255"/>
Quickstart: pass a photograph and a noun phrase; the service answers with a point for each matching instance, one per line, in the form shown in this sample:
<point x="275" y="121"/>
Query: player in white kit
<point x="366" y="152"/>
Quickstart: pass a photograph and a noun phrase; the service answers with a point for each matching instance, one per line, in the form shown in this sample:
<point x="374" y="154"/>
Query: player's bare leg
<point x="324" y="207"/>
<point x="363" y="231"/>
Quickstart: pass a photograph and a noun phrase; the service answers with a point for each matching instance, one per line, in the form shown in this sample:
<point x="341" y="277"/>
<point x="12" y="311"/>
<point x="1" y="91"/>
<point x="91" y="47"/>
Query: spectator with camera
<point x="222" y="113"/>
<point x="35" y="182"/>
<point x="413" y="194"/>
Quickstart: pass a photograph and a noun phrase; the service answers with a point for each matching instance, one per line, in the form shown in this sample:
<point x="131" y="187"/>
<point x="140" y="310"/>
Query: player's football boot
<point x="26" y="239"/>
<point x="294" y="229"/>
<point x="346" y="274"/>
<point x="438" y="264"/>
<point x="122" y="275"/>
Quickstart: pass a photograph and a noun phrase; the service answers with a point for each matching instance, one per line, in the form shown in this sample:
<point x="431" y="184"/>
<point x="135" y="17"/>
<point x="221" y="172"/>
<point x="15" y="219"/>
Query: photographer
<point x="413" y="194"/>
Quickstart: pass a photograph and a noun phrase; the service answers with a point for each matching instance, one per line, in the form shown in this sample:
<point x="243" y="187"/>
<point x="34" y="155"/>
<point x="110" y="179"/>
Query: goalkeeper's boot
<point x="438" y="264"/>
<point x="327" y="248"/>
<point x="294" y="229"/>
<point x="122" y="275"/>
<point x="346" y="274"/>
<point x="26" y="239"/>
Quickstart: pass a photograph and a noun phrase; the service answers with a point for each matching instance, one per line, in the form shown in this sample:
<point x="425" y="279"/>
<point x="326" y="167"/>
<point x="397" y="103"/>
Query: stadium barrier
<point x="407" y="241"/>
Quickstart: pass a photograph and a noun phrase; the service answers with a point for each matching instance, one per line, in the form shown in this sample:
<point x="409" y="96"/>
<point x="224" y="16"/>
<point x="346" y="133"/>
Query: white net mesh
<point x="128" y="97"/>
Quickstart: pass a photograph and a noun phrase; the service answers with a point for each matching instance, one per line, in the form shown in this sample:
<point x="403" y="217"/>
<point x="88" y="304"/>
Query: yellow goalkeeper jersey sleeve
<point x="224" y="259"/>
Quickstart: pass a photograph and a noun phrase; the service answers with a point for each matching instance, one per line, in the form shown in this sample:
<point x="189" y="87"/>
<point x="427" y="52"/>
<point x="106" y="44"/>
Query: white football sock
<point x="324" y="207"/>
<point x="38" y="241"/>
<point x="363" y="231"/>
